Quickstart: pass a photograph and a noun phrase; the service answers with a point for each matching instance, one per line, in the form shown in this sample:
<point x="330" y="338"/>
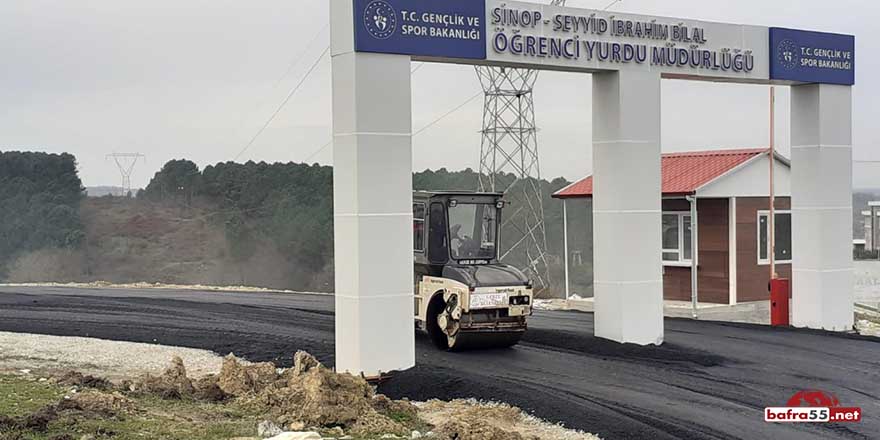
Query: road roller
<point x="464" y="297"/>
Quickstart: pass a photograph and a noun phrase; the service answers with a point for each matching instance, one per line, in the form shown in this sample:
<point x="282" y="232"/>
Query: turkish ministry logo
<point x="380" y="19"/>
<point x="812" y="406"/>
<point x="788" y="54"/>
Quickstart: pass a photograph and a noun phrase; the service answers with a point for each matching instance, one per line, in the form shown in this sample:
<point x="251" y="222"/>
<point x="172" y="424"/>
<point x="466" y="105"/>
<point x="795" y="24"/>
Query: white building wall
<point x="751" y="179"/>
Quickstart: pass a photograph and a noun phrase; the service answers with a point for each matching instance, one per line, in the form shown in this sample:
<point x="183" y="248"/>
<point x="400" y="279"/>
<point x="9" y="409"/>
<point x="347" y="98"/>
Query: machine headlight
<point x="522" y="300"/>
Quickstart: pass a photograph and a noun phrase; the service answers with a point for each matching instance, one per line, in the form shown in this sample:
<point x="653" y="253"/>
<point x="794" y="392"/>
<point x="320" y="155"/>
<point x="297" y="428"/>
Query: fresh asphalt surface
<point x="709" y="380"/>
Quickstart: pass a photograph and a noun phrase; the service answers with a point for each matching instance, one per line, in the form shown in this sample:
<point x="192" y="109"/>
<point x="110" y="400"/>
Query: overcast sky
<point x="197" y="79"/>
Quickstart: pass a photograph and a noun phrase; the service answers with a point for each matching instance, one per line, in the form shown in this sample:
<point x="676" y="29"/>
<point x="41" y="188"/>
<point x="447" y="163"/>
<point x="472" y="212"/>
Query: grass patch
<point x="155" y="418"/>
<point x="19" y="397"/>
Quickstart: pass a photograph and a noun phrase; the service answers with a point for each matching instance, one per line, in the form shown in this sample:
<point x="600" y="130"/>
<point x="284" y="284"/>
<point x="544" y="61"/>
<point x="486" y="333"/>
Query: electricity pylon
<point x="510" y="147"/>
<point x="126" y="162"/>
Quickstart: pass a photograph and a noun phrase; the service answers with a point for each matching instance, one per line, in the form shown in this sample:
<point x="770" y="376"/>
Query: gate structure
<point x="373" y="44"/>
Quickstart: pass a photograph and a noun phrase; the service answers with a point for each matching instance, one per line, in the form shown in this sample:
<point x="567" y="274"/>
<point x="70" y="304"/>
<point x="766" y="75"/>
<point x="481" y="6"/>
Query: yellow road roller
<point x="464" y="297"/>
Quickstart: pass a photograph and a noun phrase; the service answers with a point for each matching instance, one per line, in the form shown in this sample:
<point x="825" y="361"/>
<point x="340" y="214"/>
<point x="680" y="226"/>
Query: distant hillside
<point x="267" y="225"/>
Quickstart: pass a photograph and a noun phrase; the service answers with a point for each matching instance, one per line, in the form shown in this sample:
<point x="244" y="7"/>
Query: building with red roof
<point x="728" y="193"/>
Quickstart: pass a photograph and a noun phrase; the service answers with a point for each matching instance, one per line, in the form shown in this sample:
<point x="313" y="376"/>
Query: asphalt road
<point x="709" y="380"/>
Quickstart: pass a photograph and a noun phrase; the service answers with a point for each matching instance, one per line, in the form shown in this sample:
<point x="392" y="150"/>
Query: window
<point x="419" y="227"/>
<point x="472" y="231"/>
<point x="783" y="237"/>
<point x="438" y="252"/>
<point x="677" y="238"/>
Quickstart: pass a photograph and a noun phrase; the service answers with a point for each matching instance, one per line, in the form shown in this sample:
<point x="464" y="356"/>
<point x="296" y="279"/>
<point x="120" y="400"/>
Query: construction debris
<point x="311" y="395"/>
<point x="172" y="384"/>
<point x="238" y="379"/>
<point x="305" y="402"/>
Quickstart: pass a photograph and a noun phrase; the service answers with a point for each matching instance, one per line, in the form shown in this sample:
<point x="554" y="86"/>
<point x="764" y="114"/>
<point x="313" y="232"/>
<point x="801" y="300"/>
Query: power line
<point x="418" y="132"/>
<point x="611" y="4"/>
<point x="432" y="123"/>
<point x="245" y="115"/>
<point x="283" y="103"/>
<point x="295" y="62"/>
<point x="318" y="151"/>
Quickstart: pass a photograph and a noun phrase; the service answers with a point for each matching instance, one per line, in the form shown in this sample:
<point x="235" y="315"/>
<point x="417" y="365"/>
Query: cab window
<point x="438" y="246"/>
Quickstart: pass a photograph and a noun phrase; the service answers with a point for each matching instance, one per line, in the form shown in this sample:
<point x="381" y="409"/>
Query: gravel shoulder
<point x="114" y="360"/>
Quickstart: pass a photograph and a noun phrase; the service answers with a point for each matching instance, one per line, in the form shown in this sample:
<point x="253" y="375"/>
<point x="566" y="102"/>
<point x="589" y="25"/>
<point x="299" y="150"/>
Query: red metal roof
<point x="683" y="173"/>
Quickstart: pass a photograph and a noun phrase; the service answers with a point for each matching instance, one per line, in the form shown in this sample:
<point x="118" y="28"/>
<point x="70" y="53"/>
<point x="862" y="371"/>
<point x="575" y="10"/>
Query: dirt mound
<point x="208" y="389"/>
<point x="473" y="430"/>
<point x="473" y="420"/>
<point x="97" y="403"/>
<point x="39" y="420"/>
<point x="476" y="422"/>
<point x="91" y="404"/>
<point x="396" y="409"/>
<point x="77" y="379"/>
<point x="172" y="384"/>
<point x="326" y="398"/>
<point x="307" y="395"/>
<point x="240" y="380"/>
<point x="311" y="395"/>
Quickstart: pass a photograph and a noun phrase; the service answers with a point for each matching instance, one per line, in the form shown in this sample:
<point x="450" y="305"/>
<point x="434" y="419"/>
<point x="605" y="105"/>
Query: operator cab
<point x="456" y="228"/>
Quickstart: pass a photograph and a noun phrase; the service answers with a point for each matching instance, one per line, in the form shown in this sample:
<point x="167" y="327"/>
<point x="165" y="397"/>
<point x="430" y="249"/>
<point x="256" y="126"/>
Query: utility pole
<point x="126" y="162"/>
<point x="771" y="222"/>
<point x="510" y="146"/>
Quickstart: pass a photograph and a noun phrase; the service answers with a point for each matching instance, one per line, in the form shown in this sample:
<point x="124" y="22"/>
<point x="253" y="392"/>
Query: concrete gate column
<point x="821" y="198"/>
<point x="372" y="204"/>
<point x="628" y="286"/>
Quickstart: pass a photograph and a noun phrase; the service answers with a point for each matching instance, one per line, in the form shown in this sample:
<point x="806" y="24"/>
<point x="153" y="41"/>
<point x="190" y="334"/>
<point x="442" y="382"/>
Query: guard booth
<point x="373" y="44"/>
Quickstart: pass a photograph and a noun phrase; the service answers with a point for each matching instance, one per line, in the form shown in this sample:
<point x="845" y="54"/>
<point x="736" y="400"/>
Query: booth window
<point x="676" y="238"/>
<point x="419" y="227"/>
<point x="783" y="237"/>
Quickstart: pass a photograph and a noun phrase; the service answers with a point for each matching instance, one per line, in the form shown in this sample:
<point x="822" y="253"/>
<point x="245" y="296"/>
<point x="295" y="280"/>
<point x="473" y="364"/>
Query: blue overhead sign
<point x="433" y="28"/>
<point x="812" y="57"/>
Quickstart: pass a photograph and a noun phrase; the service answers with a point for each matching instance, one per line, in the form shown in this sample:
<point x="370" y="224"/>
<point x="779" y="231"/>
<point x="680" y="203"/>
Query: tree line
<point x="39" y="203"/>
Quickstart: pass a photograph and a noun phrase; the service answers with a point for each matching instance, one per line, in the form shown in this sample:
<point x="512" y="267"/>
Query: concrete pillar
<point x="821" y="198"/>
<point x="372" y="204"/>
<point x="626" y="207"/>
